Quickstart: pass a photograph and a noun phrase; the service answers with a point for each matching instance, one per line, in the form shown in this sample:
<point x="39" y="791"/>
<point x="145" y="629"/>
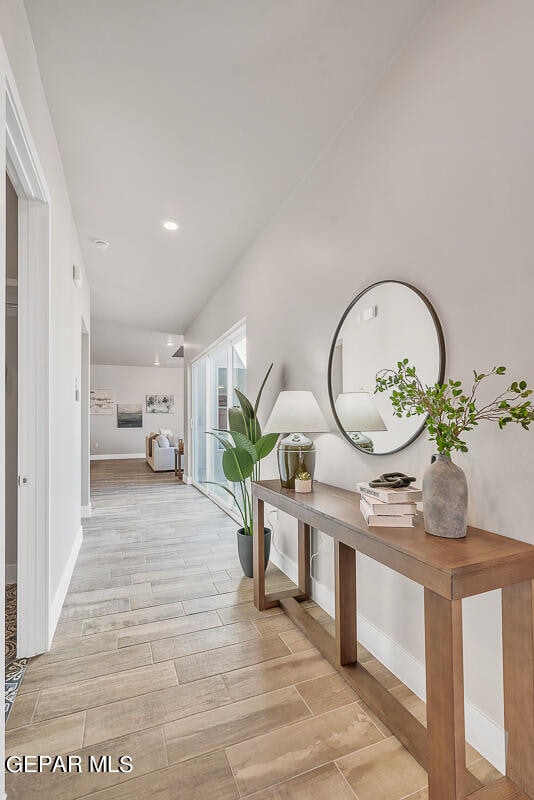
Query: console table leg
<point x="444" y="698"/>
<point x="304" y="559"/>
<point x="258" y="546"/>
<point x="345" y="579"/>
<point x="518" y="673"/>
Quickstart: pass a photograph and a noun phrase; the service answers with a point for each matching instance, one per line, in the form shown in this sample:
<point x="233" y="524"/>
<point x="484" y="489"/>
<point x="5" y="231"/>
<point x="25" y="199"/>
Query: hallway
<point x="160" y="655"/>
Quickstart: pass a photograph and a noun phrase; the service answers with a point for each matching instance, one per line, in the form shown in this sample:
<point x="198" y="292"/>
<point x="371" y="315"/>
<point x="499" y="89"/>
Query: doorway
<point x="15" y="666"/>
<point x="85" y="362"/>
<point x="32" y="468"/>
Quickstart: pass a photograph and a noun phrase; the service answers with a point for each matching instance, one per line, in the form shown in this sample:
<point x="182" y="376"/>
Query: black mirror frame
<point x="441" y="371"/>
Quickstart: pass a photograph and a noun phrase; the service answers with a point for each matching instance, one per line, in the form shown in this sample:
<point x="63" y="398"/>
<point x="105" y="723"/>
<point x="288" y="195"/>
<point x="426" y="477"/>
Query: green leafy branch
<point x="450" y="410"/>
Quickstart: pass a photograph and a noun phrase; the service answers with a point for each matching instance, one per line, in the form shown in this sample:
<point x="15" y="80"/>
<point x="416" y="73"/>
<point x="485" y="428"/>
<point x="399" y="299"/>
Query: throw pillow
<point x="162" y="441"/>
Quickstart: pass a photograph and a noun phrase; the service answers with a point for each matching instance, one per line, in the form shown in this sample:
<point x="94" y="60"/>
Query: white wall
<point x="430" y="182"/>
<point x="131" y="385"/>
<point x="67" y="305"/>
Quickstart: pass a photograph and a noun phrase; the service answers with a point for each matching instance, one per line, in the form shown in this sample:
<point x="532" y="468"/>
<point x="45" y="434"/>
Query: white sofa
<point x="160" y="459"/>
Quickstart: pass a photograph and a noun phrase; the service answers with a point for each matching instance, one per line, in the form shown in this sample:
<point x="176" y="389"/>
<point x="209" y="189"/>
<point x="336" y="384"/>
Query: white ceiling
<point x="206" y="111"/>
<point x="115" y="343"/>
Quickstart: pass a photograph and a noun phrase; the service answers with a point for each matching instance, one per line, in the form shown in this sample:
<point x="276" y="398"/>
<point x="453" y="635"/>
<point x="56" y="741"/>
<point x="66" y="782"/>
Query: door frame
<point x="33" y="558"/>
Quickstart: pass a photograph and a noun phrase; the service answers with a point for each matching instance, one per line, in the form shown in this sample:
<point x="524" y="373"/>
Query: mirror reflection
<point x="387" y="322"/>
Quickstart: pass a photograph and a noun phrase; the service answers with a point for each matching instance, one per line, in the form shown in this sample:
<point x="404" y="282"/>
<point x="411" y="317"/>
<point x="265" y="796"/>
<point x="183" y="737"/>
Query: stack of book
<point x="389" y="508"/>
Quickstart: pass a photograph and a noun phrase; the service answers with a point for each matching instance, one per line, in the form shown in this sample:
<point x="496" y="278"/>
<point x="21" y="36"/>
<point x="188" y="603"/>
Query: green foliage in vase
<point x="244" y="447"/>
<point x="450" y="409"/>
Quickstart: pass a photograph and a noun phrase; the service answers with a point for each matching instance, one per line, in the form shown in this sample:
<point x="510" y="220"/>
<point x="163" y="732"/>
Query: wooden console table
<point x="449" y="570"/>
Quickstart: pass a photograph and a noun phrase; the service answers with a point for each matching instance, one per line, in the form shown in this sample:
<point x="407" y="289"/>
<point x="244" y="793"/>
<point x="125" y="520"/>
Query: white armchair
<point x="160" y="459"/>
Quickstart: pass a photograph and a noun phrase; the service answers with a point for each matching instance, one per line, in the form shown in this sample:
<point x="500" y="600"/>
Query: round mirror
<point x="384" y="324"/>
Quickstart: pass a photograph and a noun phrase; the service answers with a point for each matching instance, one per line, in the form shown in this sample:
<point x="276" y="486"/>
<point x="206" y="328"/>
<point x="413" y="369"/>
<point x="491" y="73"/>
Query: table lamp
<point x="295" y="414"/>
<point x="356" y="413"/>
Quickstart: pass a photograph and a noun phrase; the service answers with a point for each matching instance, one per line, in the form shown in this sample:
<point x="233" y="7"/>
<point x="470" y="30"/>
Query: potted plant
<point x="244" y="448"/>
<point x="303" y="480"/>
<point x="451" y="411"/>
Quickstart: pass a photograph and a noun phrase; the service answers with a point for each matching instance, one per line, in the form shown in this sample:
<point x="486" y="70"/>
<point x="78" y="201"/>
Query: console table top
<point x="454" y="568"/>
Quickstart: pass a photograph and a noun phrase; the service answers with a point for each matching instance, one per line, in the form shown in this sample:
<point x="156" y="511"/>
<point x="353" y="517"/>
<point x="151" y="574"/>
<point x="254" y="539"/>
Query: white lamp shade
<point x="357" y="412"/>
<point x="296" y="412"/>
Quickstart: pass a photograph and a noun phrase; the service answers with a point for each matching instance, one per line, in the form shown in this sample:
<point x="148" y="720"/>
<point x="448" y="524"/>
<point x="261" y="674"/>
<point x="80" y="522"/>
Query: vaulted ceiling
<point x="205" y="111"/>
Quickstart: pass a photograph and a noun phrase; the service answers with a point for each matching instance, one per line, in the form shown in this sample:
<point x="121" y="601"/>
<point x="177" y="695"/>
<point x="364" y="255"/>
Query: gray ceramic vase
<point x="244" y="549"/>
<point x="445" y="499"/>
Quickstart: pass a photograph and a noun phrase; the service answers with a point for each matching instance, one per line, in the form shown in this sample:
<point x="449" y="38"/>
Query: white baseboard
<point x="114" y="456"/>
<point x="86" y="511"/>
<point x="59" y="597"/>
<point x="187" y="479"/>
<point x="481" y="732"/>
<point x="11" y="573"/>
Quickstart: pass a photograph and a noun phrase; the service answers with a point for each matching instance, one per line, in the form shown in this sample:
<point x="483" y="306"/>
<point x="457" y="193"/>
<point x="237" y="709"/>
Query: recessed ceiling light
<point x="170" y="224"/>
<point x="101" y="244"/>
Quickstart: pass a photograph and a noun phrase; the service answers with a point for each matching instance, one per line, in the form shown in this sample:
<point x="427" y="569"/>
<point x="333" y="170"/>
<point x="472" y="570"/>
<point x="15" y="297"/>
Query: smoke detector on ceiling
<point x="101" y="244"/>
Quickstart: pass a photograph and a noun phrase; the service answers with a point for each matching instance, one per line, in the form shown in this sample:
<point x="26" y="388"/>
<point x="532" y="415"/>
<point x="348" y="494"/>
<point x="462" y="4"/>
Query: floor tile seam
<point x="83" y="728"/>
<point x="412" y="794"/>
<point x="110" y="702"/>
<point x="295" y="687"/>
<point x="236" y="644"/>
<point x="231" y="703"/>
<point x="136" y="625"/>
<point x="345" y="780"/>
<point x="300" y="722"/>
<point x="256" y="694"/>
<point x="238" y="603"/>
<point x="165" y="745"/>
<point x="150" y="727"/>
<point x="119" y="597"/>
<point x="68" y="682"/>
<point x="147" y="641"/>
<point x="123" y="736"/>
<point x="59" y="661"/>
<point x="95" y="616"/>
<point x="228" y="671"/>
<point x="232" y="771"/>
<point x="8" y="731"/>
<point x="285" y="780"/>
<point x="370" y="747"/>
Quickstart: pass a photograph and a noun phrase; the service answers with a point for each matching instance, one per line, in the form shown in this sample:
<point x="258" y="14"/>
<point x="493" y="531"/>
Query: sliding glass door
<point x="215" y="375"/>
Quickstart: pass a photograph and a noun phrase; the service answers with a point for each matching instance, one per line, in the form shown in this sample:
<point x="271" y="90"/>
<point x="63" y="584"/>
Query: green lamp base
<point x="295" y="452"/>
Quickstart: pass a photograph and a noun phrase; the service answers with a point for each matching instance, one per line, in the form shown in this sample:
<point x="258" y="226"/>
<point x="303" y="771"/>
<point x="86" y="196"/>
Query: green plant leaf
<point x="245" y="404"/>
<point x="222" y="486"/>
<point x="225" y="443"/>
<point x="241" y="440"/>
<point x="236" y="420"/>
<point x="237" y="464"/>
<point x="266" y="444"/>
<point x="256" y="404"/>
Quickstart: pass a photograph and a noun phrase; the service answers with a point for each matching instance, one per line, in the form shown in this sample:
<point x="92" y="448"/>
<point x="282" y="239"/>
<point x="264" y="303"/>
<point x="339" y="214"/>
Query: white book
<point x="381" y="508"/>
<point x="379" y="521"/>
<point x="407" y="494"/>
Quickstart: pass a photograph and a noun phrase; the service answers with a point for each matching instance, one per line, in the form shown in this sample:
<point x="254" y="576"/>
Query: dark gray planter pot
<point x="445" y="499"/>
<point x="244" y="549"/>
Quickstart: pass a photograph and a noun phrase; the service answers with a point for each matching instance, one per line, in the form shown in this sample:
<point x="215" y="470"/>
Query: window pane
<point x="213" y="381"/>
<point x="218" y="414"/>
<point x="199" y="421"/>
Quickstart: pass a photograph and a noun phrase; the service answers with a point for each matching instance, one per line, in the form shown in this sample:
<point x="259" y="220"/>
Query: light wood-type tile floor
<point x="160" y="655"/>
